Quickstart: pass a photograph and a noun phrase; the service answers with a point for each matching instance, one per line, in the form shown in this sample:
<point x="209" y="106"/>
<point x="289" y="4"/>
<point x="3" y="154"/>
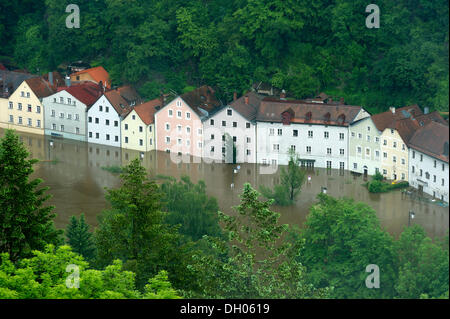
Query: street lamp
<point x="410" y="216"/>
<point x="51" y="146"/>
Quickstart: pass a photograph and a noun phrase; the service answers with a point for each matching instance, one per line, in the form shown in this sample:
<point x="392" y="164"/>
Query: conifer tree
<point x="79" y="237"/>
<point x="25" y="223"/>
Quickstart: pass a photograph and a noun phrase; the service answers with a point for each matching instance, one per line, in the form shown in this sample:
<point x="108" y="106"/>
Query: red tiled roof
<point x="432" y="139"/>
<point x="40" y="87"/>
<point x="202" y="99"/>
<point x="249" y="110"/>
<point x="147" y="110"/>
<point x="98" y="74"/>
<point x="271" y="110"/>
<point x="388" y="119"/>
<point x="86" y="93"/>
<point x="118" y="102"/>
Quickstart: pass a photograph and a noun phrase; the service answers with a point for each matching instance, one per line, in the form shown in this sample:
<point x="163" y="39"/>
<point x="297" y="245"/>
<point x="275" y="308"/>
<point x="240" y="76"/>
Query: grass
<point x="113" y="169"/>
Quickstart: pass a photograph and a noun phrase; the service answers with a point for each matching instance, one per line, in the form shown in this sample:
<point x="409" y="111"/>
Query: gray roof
<point x="10" y="81"/>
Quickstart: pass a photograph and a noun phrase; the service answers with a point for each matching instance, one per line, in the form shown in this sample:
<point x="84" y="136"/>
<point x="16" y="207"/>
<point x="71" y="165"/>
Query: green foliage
<point x="189" y="206"/>
<point x="378" y="185"/>
<point x="341" y="238"/>
<point x="44" y="276"/>
<point x="254" y="262"/>
<point x="423" y="265"/>
<point x="79" y="237"/>
<point x="25" y="223"/>
<point x="113" y="169"/>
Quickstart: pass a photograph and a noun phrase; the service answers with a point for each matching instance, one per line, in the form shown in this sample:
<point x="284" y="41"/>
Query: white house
<point x="428" y="160"/>
<point x="104" y="119"/>
<point x="317" y="132"/>
<point x="65" y="111"/>
<point x="232" y="125"/>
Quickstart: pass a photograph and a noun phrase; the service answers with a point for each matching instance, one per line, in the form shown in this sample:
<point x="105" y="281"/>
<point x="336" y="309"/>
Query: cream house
<point x="25" y="112"/>
<point x="138" y="128"/>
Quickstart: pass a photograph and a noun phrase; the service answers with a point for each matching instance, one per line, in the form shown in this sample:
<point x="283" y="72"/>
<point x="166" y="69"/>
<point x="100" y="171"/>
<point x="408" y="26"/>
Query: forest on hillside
<point x="304" y="47"/>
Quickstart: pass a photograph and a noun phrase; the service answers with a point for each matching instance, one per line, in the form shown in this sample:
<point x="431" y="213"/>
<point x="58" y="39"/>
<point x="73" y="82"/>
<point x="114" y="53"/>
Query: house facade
<point x="233" y="125"/>
<point x="138" y="127"/>
<point x="25" y="111"/>
<point x="65" y="111"/>
<point x="104" y="119"/>
<point x="364" y="147"/>
<point x="96" y="75"/>
<point x="179" y="124"/>
<point x="428" y="160"/>
<point x="318" y="133"/>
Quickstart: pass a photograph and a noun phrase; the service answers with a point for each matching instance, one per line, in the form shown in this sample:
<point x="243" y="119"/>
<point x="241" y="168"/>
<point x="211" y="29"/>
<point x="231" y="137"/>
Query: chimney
<point x="283" y="95"/>
<point x="50" y="78"/>
<point x="234" y="96"/>
<point x="392" y="109"/>
<point x="67" y="80"/>
<point x="426" y="110"/>
<point x="246" y="99"/>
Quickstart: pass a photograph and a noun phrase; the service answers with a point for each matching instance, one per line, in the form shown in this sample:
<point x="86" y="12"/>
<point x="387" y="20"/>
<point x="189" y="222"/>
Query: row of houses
<point x="402" y="144"/>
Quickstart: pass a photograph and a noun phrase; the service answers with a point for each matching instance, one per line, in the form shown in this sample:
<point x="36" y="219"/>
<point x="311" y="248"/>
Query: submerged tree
<point x="79" y="237"/>
<point x="25" y="223"/>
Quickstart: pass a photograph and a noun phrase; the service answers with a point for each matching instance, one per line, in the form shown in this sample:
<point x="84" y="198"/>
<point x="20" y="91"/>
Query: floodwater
<point x="73" y="171"/>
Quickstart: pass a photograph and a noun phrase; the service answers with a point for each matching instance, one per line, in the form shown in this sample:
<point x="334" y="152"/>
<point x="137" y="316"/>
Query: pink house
<point x="179" y="127"/>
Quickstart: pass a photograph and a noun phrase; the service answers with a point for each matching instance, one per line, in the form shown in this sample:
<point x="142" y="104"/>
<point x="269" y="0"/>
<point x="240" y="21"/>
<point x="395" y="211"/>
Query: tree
<point x="79" y="237"/>
<point x="341" y="238"/>
<point x="292" y="180"/>
<point x="189" y="206"/>
<point x="423" y="265"/>
<point x="45" y="276"/>
<point x="25" y="223"/>
<point x="254" y="262"/>
<point x="133" y="230"/>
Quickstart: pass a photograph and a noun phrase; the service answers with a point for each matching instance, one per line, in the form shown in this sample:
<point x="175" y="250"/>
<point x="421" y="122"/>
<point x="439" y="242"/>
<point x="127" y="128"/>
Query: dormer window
<point x="308" y="116"/>
<point x="229" y="112"/>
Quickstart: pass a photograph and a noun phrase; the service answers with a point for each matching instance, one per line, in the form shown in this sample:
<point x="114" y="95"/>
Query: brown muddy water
<point x="73" y="171"/>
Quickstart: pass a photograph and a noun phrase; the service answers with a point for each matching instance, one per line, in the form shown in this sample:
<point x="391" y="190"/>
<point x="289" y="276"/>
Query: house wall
<point x="35" y="116"/>
<point x="134" y="135"/>
<point x="101" y="128"/>
<point x="364" y="147"/>
<point x="3" y="111"/>
<point x="82" y="77"/>
<point x="393" y="170"/>
<point x="436" y="182"/>
<point x="180" y="140"/>
<point x="245" y="137"/>
<point x="71" y="114"/>
<point x="318" y="144"/>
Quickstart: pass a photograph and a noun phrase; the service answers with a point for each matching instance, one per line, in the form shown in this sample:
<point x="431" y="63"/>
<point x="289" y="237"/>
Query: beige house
<point x="3" y="112"/>
<point x="138" y="128"/>
<point x="24" y="111"/>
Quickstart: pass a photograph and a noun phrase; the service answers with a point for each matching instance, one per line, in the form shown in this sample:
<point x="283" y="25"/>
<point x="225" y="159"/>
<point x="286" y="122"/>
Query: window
<point x="384" y="154"/>
<point x="310" y="134"/>
<point x="421" y="157"/>
<point x="107" y="137"/>
<point x="377" y="139"/>
<point x="141" y="142"/>
<point x="234" y="139"/>
<point x="151" y="141"/>
<point x="280" y="132"/>
<point x="90" y="119"/>
<point x="341" y="151"/>
<point x="443" y="167"/>
<point x="394" y="144"/>
<point x="179" y="114"/>
<point x="368" y="138"/>
<point x="141" y="129"/>
<point x="394" y="159"/>
<point x="116" y="138"/>
<point x="384" y="142"/>
<point x="359" y="135"/>
<point x="234" y="124"/>
<point x="188" y="115"/>
<point x="442" y="182"/>
<point x="328" y="164"/>
<point x="100" y="108"/>
<point x="19" y="106"/>
<point x="106" y="109"/>
<point x="116" y="123"/>
<point x="126" y="139"/>
<point x="249" y="140"/>
<point x="96" y="120"/>
<point x="359" y="149"/>
<point x="167" y="140"/>
<point x="133" y="117"/>
<point x="126" y="127"/>
<point x="62" y="128"/>
<point x="229" y="112"/>
<point x="341" y="136"/>
<point x="353" y="134"/>
<point x="355" y="165"/>
<point x="61" y="100"/>
<point x="223" y="137"/>
<point x="427" y="175"/>
<point x="28" y="94"/>
<point x="69" y="100"/>
<point x="170" y="113"/>
<point x="308" y="149"/>
<point x="403" y="147"/>
<point x="295" y="133"/>
<point x="413" y="169"/>
<point x="420" y="172"/>
<point x="54" y="127"/>
<point x="392" y="131"/>
<point x="329" y="150"/>
<point x="30" y="122"/>
<point x="224" y="123"/>
<point x="61" y="115"/>
<point x="38" y="123"/>
<point x="212" y="136"/>
<point x="247" y="125"/>
<point x="77" y="130"/>
<point x="90" y="134"/>
<point x="38" y="109"/>
<point x="403" y="161"/>
<point x="377" y="153"/>
<point x="20" y="119"/>
<point x="167" y="127"/>
<point x="435" y="164"/>
<point x="11" y="105"/>
<point x="326" y="134"/>
<point x="384" y="172"/>
<point x="150" y="128"/>
<point x="188" y="130"/>
<point x="211" y="122"/>
<point x="367" y="151"/>
<point x="271" y="131"/>
<point x="178" y="103"/>
<point x="276" y="147"/>
<point x="22" y="93"/>
<point x="403" y="176"/>
<point x="200" y="145"/>
<point x="97" y="135"/>
<point x="293" y="148"/>
<point x="69" y="116"/>
<point x="199" y="131"/>
<point x="368" y="129"/>
<point x="212" y="149"/>
<point x="434" y="178"/>
<point x="248" y="152"/>
<point x="341" y="165"/>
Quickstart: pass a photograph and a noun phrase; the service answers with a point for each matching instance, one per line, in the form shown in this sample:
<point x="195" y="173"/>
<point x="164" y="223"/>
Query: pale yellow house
<point x="138" y="127"/>
<point x="3" y="112"/>
<point x="24" y="110"/>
